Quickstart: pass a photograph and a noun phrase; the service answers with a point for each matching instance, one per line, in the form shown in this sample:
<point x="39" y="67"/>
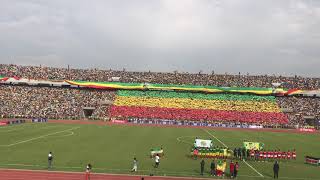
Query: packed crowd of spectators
<point x="15" y="101"/>
<point x="68" y="103"/>
<point x="198" y="106"/>
<point x="198" y="115"/>
<point x="53" y="103"/>
<point x="225" y="80"/>
<point x="300" y="107"/>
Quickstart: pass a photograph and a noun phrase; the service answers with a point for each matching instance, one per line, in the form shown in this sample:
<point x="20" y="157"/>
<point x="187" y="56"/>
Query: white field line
<point x="35" y="138"/>
<point x="215" y="138"/>
<point x="71" y="133"/>
<point x="178" y="139"/>
<point x="254" y="169"/>
<point x="48" y="127"/>
<point x="24" y="127"/>
<point x="12" y="129"/>
<point x="14" y="126"/>
<point x="181" y="137"/>
<point x="19" y="125"/>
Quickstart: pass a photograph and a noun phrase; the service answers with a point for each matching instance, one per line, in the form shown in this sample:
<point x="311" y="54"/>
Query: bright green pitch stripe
<point x="170" y="94"/>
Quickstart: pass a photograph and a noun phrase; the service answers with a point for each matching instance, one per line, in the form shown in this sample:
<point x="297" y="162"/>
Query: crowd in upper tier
<point x="225" y="80"/>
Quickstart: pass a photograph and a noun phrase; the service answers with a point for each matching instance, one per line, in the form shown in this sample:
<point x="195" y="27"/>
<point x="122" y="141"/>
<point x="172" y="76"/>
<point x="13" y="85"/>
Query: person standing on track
<point x="50" y="159"/>
<point x="88" y="171"/>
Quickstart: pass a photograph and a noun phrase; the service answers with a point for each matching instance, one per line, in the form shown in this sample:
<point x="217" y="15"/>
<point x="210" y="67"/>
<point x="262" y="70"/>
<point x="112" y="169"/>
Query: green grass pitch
<point x="111" y="149"/>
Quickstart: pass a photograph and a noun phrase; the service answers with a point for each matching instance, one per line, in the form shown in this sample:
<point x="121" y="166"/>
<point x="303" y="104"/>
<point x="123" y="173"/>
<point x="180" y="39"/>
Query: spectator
<point x="53" y="103"/>
<point x="224" y="80"/>
<point x="194" y="106"/>
<point x="68" y="103"/>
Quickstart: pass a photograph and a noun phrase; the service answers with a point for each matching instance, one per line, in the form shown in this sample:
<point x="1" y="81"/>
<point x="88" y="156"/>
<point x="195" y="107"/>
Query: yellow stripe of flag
<point x="182" y="103"/>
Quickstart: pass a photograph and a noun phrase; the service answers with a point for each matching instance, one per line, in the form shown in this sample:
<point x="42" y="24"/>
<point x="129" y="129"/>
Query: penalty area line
<point x="254" y="169"/>
<point x="39" y="137"/>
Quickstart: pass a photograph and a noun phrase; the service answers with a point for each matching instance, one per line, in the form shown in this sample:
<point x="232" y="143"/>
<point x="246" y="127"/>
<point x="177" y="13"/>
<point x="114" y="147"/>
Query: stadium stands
<point x="301" y="107"/>
<point x="66" y="103"/>
<point x="222" y="80"/>
<point x="54" y="103"/>
<point x="197" y="107"/>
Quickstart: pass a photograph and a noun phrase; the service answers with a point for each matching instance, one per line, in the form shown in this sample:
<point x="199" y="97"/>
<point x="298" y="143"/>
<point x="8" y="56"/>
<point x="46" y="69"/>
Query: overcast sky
<point x="255" y="36"/>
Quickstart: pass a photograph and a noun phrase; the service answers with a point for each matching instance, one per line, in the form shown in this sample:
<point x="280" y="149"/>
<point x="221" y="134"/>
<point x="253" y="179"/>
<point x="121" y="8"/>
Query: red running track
<point x="14" y="174"/>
